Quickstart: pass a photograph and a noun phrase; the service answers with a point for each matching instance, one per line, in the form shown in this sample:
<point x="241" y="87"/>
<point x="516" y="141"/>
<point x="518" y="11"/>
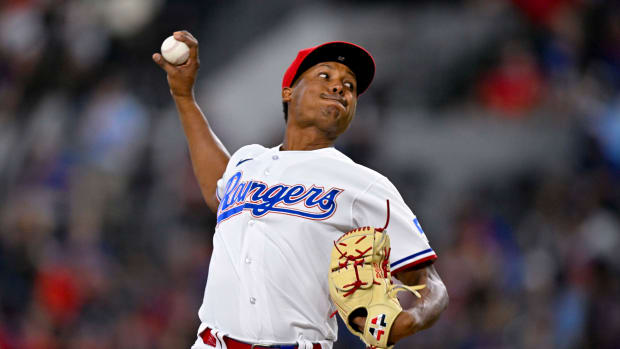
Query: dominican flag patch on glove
<point x="377" y="327"/>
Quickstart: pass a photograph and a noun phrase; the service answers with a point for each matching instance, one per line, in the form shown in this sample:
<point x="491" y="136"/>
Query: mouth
<point x="336" y="98"/>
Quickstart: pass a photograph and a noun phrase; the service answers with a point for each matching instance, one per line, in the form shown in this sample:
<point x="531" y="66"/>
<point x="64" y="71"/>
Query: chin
<point x="337" y="126"/>
<point x="333" y="111"/>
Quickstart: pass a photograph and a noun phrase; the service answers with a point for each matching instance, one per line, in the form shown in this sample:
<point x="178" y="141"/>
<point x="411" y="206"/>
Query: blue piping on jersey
<point x="402" y="260"/>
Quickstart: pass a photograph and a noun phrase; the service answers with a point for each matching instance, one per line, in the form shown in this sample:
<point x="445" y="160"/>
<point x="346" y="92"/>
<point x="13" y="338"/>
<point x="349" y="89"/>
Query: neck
<point x="309" y="138"/>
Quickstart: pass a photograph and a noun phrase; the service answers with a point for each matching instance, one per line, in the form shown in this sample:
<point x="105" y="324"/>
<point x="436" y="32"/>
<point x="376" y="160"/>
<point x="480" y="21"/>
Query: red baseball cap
<point x="353" y="56"/>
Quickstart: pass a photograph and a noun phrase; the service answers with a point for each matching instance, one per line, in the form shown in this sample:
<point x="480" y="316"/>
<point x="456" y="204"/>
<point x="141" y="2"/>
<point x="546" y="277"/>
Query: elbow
<point x="446" y="299"/>
<point x="211" y="200"/>
<point x="441" y="304"/>
<point x="213" y="206"/>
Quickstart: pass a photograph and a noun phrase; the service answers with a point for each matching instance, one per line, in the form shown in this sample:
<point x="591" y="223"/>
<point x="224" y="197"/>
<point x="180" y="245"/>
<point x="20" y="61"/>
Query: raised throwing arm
<point x="209" y="156"/>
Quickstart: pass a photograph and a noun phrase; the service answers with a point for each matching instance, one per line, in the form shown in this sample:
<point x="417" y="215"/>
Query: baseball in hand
<point x="173" y="51"/>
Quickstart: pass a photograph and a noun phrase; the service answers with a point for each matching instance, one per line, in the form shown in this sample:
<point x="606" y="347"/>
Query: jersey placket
<point x="253" y="259"/>
<point x="250" y="261"/>
<point x="269" y="175"/>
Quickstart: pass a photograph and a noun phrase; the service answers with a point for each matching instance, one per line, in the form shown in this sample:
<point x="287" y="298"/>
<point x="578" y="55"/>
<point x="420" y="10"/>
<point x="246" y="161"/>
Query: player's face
<point x="324" y="96"/>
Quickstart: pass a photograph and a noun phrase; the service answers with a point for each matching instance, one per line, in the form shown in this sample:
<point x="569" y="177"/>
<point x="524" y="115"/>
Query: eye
<point x="349" y="85"/>
<point x="324" y="75"/>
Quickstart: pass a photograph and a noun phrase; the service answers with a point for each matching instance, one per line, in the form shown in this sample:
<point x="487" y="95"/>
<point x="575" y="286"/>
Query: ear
<point x="286" y="94"/>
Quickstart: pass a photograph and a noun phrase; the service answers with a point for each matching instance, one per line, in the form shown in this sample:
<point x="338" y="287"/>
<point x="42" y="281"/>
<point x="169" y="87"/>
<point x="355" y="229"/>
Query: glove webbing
<point x="359" y="259"/>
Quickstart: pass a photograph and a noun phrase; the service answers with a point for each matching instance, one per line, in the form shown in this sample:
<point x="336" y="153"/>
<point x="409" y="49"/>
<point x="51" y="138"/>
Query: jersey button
<point x="248" y="260"/>
<point x="275" y="157"/>
<point x="267" y="172"/>
<point x="252" y="300"/>
<point x="251" y="222"/>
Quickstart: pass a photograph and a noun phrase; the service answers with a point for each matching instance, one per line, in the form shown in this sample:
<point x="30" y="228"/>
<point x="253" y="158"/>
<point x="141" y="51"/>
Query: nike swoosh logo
<point x="242" y="161"/>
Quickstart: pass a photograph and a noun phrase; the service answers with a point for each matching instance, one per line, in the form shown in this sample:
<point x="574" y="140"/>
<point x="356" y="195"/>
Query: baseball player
<point x="280" y="209"/>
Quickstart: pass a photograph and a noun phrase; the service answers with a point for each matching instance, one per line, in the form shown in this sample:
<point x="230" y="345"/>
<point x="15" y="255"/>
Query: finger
<point x="360" y="322"/>
<point x="189" y="35"/>
<point x="190" y="41"/>
<point x="161" y="62"/>
<point x="186" y="37"/>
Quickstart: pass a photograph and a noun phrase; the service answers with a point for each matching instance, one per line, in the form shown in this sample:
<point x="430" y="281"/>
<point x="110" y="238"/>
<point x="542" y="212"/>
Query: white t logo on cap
<point x="340" y="58"/>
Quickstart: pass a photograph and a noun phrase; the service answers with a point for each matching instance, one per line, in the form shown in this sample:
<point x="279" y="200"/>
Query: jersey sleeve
<point x="410" y="246"/>
<point x="244" y="153"/>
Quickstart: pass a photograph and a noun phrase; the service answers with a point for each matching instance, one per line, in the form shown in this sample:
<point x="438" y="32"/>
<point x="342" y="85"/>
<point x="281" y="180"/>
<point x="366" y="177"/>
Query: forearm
<point x="426" y="310"/>
<point x="208" y="154"/>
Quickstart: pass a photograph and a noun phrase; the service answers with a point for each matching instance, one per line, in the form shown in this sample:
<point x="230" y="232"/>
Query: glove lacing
<point x="358" y="260"/>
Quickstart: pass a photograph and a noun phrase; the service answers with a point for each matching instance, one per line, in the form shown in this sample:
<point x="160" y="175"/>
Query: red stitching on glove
<point x="357" y="283"/>
<point x="385" y="264"/>
<point x="388" y="218"/>
<point x="362" y="253"/>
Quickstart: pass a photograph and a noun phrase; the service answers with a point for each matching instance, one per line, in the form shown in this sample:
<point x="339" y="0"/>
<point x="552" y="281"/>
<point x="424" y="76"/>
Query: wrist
<point x="183" y="96"/>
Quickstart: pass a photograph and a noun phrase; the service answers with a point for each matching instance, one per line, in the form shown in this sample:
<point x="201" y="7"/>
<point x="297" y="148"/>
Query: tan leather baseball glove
<point x="360" y="281"/>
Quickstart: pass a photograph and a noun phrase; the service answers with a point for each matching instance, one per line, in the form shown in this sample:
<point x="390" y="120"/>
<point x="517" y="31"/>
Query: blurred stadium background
<point x="498" y="120"/>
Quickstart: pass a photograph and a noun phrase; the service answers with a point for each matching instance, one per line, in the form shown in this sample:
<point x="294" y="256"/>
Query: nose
<point x="337" y="88"/>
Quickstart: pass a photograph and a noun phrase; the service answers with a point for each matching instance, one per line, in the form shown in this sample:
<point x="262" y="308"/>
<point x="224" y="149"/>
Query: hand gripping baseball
<point x="360" y="283"/>
<point x="181" y="78"/>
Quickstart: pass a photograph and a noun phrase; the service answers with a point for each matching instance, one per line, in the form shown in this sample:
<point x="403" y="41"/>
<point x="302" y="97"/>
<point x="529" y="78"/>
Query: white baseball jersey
<point x="279" y="213"/>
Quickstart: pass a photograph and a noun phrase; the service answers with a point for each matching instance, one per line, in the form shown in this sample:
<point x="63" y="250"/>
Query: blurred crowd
<point x="105" y="240"/>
